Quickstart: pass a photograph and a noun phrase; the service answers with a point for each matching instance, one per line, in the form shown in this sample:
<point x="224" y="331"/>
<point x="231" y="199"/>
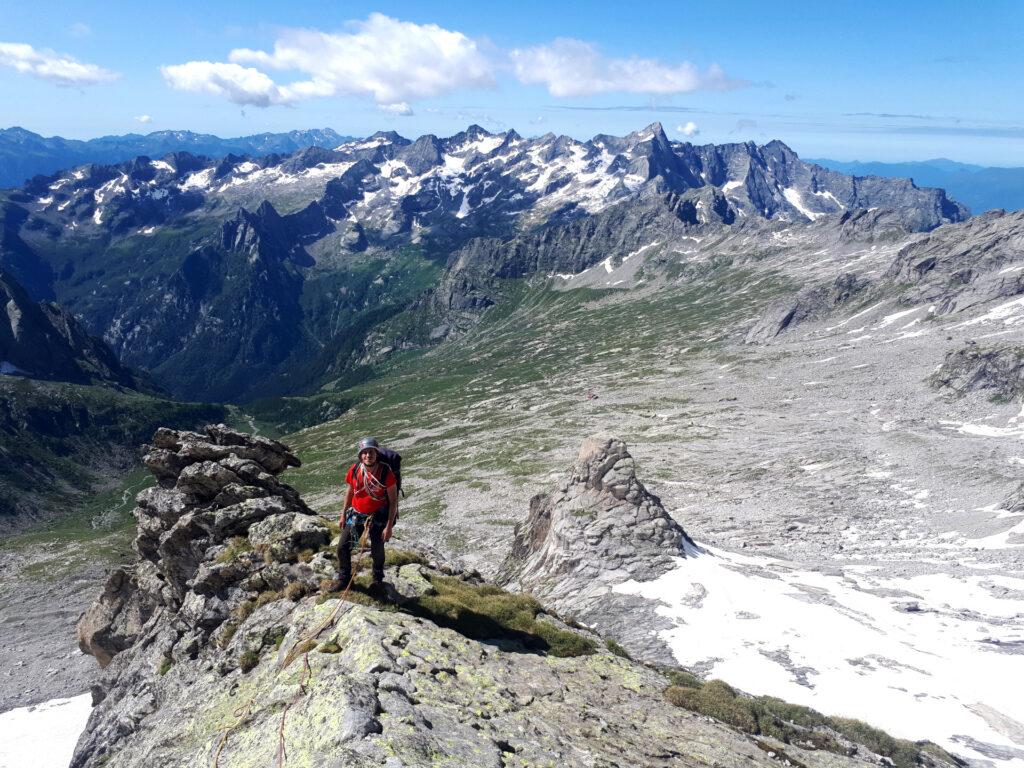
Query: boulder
<point x="597" y="528"/>
<point x="115" y="621"/>
<point x="285" y="535"/>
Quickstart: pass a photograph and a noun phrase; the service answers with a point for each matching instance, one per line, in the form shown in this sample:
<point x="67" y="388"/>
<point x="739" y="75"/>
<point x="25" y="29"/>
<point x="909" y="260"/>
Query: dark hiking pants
<point x="352" y="532"/>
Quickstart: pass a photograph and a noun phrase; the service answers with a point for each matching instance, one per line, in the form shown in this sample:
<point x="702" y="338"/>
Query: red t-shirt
<point x="370" y="493"/>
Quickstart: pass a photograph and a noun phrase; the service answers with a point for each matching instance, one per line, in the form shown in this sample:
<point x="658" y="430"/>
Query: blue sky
<point x="847" y="80"/>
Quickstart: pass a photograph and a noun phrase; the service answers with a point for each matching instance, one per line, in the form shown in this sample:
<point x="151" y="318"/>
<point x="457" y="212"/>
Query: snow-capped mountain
<point x="24" y="154"/>
<point x="483" y="179"/>
<point x="163" y="257"/>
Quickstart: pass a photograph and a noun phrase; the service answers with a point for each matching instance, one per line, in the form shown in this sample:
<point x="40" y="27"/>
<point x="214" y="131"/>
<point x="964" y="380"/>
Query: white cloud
<point x="144" y="119"/>
<point x="242" y="85"/>
<point x="688" y="129"/>
<point x="390" y="61"/>
<point x="49" y="65"/>
<point x="399" y="109"/>
<point x="570" y="67"/>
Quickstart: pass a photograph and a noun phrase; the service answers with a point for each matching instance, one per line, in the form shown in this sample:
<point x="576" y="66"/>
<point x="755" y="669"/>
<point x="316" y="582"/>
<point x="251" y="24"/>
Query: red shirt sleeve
<point x="348" y="475"/>
<point x="390" y="480"/>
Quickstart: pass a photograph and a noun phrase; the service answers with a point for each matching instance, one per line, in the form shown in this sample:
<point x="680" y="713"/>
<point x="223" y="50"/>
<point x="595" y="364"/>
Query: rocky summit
<point x="221" y="646"/>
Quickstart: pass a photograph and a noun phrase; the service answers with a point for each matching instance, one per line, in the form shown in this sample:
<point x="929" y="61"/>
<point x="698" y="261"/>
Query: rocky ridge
<point x="948" y="271"/>
<point x="24" y="154"/>
<point x="43" y="341"/>
<point x="215" y="652"/>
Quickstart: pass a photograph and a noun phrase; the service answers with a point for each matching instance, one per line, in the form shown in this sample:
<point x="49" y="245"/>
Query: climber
<point x="372" y="498"/>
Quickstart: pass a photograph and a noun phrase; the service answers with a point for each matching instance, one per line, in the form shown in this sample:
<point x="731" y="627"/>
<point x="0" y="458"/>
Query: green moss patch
<point x="794" y="724"/>
<point x="398" y="557"/>
<point x="237" y="545"/>
<point x="488" y="613"/>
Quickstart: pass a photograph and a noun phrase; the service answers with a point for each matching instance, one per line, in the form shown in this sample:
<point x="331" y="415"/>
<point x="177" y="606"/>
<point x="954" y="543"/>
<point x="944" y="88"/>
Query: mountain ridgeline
<point x="24" y="154"/>
<point x="244" y="277"/>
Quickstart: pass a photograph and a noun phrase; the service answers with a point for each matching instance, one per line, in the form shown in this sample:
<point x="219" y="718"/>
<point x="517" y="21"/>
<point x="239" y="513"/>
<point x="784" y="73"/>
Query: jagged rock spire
<point x="599" y="527"/>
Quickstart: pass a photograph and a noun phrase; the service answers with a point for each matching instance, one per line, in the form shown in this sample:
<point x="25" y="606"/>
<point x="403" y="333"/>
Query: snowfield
<point x="926" y="657"/>
<point x="43" y="736"/>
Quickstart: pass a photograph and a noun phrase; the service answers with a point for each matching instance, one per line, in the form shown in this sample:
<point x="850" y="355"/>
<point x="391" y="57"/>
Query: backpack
<point x="393" y="461"/>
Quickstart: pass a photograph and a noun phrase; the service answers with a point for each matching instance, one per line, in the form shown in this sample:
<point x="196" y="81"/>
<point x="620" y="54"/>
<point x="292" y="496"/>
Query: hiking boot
<point x="377" y="590"/>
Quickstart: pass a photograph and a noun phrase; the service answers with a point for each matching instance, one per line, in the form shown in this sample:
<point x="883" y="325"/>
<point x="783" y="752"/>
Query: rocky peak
<point x="598" y="527"/>
<point x="44" y="341"/>
<point x="422" y="155"/>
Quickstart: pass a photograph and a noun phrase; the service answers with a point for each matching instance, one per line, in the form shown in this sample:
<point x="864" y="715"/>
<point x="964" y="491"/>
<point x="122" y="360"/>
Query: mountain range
<point x="24" y="154"/>
<point x="980" y="188"/>
<point x="240" y="277"/>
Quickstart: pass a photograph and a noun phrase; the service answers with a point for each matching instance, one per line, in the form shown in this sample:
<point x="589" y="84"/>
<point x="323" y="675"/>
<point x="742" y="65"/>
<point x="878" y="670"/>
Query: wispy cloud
<point x="570" y="67"/>
<point x="627" y="108"/>
<point x="58" y="68"/>
<point x="993" y="132"/>
<point x="144" y="119"/>
<point x="888" y="115"/>
<point x="743" y="125"/>
<point x="80" y="29"/>
<point x="391" y="61"/>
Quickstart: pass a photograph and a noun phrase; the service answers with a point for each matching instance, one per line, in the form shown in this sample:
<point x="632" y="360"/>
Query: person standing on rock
<point x="372" y="498"/>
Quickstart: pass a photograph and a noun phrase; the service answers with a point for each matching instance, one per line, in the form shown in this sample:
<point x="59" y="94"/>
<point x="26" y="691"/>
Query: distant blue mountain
<point x="24" y="154"/>
<point x="979" y="188"/>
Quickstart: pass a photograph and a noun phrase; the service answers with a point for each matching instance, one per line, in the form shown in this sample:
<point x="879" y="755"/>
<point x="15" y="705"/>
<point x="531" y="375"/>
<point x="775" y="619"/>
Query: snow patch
<point x="198" y="180"/>
<point x="794" y="199"/>
<point x="44" y="735"/>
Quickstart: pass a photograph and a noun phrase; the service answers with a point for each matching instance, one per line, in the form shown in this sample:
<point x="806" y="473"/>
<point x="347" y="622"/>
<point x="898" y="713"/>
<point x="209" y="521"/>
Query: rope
<point x="306" y="674"/>
<point x="241" y="714"/>
<point x="245" y="711"/>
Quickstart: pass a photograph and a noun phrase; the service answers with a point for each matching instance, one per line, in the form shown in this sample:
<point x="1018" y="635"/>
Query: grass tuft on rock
<point x="398" y="557"/>
<point x="248" y="660"/>
<point x="617" y="649"/>
<point x="794" y="724"/>
<point x="237" y="545"/>
<point x="268" y="597"/>
<point x="295" y="591"/>
<point x="489" y="613"/>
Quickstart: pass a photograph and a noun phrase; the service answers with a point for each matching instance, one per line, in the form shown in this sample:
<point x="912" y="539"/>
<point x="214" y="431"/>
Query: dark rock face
<point x="996" y="371"/>
<point x="44" y="341"/>
<point x="213" y="486"/>
<point x="599" y="527"/>
<point x="811" y="304"/>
